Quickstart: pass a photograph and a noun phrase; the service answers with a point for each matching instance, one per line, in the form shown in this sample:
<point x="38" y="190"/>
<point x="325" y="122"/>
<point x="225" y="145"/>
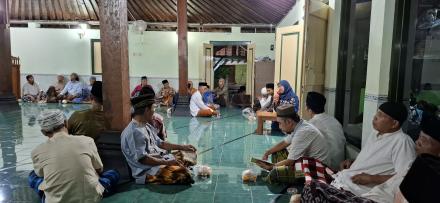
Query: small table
<point x="264" y="116"/>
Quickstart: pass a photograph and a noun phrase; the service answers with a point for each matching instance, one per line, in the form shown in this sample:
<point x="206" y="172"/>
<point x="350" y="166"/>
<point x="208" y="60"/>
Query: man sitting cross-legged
<point x="166" y="94"/>
<point x="387" y="151"/>
<point x="329" y="127"/>
<point x="146" y="154"/>
<point x="66" y="167"/>
<point x="197" y="106"/>
<point x="303" y="140"/>
<point x="428" y="144"/>
<point x="157" y="121"/>
<point x="90" y="122"/>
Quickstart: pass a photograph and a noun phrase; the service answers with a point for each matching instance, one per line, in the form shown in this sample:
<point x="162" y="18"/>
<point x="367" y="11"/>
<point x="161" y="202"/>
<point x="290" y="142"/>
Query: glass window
<point x="353" y="68"/>
<point x="419" y="85"/>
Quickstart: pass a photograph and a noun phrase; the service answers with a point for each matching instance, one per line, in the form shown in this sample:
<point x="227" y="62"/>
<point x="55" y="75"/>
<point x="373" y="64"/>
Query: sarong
<point x="319" y="192"/>
<point x="108" y="179"/>
<point x="170" y="175"/>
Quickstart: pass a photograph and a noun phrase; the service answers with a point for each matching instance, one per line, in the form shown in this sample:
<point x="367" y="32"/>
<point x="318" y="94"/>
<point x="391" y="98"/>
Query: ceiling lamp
<point x="140" y="26"/>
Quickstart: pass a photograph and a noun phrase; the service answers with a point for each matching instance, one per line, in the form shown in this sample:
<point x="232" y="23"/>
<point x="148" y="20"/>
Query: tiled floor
<point x="19" y="134"/>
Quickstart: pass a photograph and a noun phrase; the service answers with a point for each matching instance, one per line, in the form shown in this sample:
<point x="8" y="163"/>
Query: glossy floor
<point x="228" y="142"/>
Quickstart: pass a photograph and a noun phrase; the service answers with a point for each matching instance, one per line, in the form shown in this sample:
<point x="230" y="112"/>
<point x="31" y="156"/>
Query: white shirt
<point x="334" y="135"/>
<point x="386" y="191"/>
<point x="68" y="165"/>
<point x="29" y="89"/>
<point x="265" y="102"/>
<point x="196" y="104"/>
<point x="73" y="88"/>
<point x="385" y="154"/>
<point x="306" y="141"/>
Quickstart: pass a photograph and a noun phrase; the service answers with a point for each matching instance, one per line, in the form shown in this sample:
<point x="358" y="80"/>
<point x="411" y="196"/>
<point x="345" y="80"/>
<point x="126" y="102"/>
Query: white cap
<point x="263" y="91"/>
<point x="49" y="119"/>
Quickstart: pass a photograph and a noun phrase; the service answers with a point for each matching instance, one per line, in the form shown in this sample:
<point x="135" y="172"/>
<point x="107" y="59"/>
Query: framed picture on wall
<point x="96" y="57"/>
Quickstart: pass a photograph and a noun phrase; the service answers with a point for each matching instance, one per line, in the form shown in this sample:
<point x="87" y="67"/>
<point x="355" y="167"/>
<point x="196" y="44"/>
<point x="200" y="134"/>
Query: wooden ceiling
<point x="199" y="11"/>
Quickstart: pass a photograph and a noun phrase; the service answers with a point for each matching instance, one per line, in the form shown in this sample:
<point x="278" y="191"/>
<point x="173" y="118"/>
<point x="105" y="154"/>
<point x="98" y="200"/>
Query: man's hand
<point x="189" y="148"/>
<point x="174" y="162"/>
<point x="265" y="156"/>
<point x="345" y="164"/>
<point x="363" y="179"/>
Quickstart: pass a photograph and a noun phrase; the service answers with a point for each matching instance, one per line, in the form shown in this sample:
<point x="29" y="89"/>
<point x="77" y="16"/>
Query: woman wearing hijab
<point x="285" y="95"/>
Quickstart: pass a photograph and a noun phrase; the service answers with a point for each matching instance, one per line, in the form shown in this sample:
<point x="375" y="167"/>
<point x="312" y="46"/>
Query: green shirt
<point x="87" y="122"/>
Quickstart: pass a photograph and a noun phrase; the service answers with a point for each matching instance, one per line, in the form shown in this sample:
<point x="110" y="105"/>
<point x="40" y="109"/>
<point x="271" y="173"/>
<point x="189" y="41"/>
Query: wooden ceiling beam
<point x="198" y="11"/>
<point x="65" y="10"/>
<point x="90" y="10"/>
<point x="58" y="10"/>
<point x="147" y="9"/>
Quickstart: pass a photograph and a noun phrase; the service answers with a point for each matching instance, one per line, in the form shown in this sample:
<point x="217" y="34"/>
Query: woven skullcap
<point x="49" y="119"/>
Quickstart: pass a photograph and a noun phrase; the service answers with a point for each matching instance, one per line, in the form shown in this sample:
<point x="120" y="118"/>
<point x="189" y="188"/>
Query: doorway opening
<point x="234" y="62"/>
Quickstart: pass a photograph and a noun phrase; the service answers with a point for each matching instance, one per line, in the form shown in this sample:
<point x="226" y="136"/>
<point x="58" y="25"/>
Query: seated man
<point x="266" y="101"/>
<point x="166" y="94"/>
<point x="157" y="121"/>
<point x="67" y="168"/>
<point x="85" y="97"/>
<point x="329" y="127"/>
<point x="420" y="184"/>
<point x="146" y="154"/>
<point x="241" y="100"/>
<point x="221" y="93"/>
<point x="197" y="106"/>
<point x="137" y="89"/>
<point x="73" y="89"/>
<point x="303" y="140"/>
<point x="90" y="122"/>
<point x="387" y="151"/>
<point x="208" y="96"/>
<point x="59" y="85"/>
<point x="191" y="89"/>
<point x="428" y="143"/>
<point x="31" y="90"/>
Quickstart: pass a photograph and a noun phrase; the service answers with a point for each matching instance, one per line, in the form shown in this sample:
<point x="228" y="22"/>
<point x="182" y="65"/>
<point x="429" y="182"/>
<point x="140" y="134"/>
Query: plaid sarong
<point x="319" y="192"/>
<point x="314" y="169"/>
<point x="305" y="169"/>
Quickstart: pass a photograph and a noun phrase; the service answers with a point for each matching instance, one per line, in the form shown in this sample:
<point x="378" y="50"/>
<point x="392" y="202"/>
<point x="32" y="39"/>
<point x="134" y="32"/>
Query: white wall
<point x="52" y="51"/>
<point x="47" y="52"/>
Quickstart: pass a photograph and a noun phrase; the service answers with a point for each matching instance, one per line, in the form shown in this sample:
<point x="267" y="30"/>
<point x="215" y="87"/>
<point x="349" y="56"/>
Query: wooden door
<point x="264" y="73"/>
<point x="208" y="63"/>
<point x="289" y="56"/>
<point x="250" y="72"/>
<point x="16" y="83"/>
<point x="316" y="20"/>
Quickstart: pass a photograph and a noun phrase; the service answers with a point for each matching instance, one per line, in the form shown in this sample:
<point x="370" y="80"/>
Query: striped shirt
<point x="306" y="141"/>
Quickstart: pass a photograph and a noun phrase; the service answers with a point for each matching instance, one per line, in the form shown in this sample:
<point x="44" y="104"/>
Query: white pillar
<point x="379" y="59"/>
<point x="331" y="61"/>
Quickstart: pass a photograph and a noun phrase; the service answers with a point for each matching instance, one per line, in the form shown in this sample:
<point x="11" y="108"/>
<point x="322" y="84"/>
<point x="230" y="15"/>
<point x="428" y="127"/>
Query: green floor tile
<point x="19" y="134"/>
<point x="229" y="198"/>
<point x="194" y="197"/>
